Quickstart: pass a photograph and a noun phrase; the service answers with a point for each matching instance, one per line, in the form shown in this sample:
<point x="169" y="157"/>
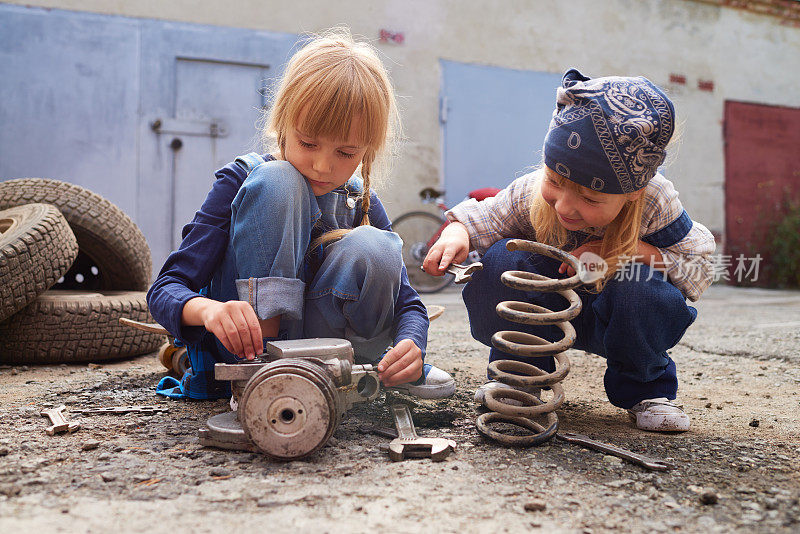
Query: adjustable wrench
<point x="409" y="445"/>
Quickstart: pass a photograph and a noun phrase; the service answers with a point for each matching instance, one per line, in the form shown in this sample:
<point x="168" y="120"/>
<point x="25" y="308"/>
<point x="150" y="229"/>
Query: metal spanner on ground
<point x="60" y="423"/>
<point x="462" y="273"/>
<point x="409" y="445"/>
<point x="638" y="459"/>
<point x="147" y="410"/>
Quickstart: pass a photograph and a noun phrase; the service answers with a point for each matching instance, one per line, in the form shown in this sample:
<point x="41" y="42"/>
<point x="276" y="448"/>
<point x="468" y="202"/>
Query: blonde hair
<point x="333" y="79"/>
<point x="620" y="239"/>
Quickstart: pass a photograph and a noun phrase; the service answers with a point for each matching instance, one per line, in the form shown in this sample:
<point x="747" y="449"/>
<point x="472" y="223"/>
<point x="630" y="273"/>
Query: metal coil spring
<point x="523" y="344"/>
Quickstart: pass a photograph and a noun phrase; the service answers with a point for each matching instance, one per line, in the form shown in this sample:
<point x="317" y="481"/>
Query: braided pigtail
<point x="366" y="168"/>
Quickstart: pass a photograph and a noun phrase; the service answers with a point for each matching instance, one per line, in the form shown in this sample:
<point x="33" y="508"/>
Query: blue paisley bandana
<point x="608" y="134"/>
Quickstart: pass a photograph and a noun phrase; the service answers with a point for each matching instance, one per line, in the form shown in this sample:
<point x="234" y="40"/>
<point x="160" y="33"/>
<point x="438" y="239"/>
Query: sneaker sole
<point x="441" y="391"/>
<point x="661" y="424"/>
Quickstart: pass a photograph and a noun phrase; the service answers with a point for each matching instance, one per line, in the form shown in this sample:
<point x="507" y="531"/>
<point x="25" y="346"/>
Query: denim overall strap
<point x="249" y="161"/>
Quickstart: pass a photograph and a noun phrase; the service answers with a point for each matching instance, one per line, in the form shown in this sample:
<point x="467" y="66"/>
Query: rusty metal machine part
<point x="165" y="353"/>
<point x="173" y="358"/>
<point x="289" y="406"/>
<point x="180" y="362"/>
<point x="523" y="375"/>
<point x="324" y="347"/>
<point x="224" y="431"/>
<point x="409" y="445"/>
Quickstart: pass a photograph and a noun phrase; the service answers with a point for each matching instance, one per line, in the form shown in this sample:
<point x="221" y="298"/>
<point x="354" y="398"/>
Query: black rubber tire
<point x="107" y="237"/>
<point x="77" y="326"/>
<point x="416" y="228"/>
<point x="36" y="248"/>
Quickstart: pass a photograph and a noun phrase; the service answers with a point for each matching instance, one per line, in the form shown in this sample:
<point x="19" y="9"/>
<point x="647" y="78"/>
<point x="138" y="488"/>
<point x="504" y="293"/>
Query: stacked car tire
<point x="71" y="265"/>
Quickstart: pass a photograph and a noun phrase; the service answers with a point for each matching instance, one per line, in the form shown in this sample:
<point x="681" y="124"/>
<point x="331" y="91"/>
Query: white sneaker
<point x="480" y="393"/>
<point x="437" y="384"/>
<point x="660" y="415"/>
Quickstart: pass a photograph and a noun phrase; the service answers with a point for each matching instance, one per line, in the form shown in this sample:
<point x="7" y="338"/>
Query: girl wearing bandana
<point x="598" y="191"/>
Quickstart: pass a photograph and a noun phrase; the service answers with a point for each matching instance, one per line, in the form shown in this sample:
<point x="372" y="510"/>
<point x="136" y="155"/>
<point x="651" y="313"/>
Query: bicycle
<point x="419" y="230"/>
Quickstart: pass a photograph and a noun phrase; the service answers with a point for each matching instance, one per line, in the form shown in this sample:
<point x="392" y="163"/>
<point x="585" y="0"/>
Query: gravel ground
<point x="737" y="469"/>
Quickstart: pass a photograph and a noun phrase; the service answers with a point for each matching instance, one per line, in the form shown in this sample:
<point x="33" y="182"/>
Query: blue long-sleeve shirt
<point x="205" y="239"/>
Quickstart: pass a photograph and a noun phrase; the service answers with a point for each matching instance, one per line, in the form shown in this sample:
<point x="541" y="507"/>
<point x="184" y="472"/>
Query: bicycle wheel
<point x="417" y="229"/>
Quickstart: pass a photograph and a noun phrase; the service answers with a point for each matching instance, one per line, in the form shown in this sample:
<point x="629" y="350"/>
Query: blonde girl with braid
<point x="294" y="243"/>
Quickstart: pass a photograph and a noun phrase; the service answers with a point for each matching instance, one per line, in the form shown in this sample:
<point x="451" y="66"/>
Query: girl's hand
<point x="403" y="363"/>
<point x="589" y="246"/>
<point x="234" y="323"/>
<point x="452" y="247"/>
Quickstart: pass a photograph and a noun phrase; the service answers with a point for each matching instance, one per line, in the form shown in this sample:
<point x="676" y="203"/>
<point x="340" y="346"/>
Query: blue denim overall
<point x="344" y="289"/>
<point x="631" y="322"/>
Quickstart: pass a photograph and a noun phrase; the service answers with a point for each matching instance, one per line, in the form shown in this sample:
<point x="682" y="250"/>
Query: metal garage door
<point x="494" y="121"/>
<point x="140" y="111"/>
<point x="762" y="171"/>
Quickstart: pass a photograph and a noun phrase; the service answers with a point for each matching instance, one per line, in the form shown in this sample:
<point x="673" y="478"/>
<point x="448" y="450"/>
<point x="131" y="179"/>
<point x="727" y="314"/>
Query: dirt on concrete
<point x="736" y="469"/>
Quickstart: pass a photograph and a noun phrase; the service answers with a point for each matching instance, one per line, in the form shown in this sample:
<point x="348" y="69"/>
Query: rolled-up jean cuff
<point x="273" y="295"/>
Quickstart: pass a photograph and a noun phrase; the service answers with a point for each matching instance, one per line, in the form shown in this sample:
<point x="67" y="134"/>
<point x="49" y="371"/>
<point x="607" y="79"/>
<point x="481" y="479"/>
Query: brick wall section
<point x="788" y="11"/>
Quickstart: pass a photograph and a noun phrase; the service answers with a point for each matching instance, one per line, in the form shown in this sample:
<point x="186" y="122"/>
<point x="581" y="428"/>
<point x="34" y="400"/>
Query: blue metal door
<point x="206" y="98"/>
<point x="140" y="111"/>
<point x="218" y="104"/>
<point x="69" y="94"/>
<point x="493" y="121"/>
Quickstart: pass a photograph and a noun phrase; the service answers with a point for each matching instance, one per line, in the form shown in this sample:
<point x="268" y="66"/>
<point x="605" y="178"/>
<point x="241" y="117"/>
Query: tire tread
<point x="78" y="330"/>
<point x="102" y="229"/>
<point x="30" y="263"/>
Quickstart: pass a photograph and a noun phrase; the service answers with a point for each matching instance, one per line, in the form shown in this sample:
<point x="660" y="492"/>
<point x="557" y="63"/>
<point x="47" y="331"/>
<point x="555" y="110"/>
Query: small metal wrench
<point x="147" y="410"/>
<point x="639" y="459"/>
<point x="462" y="273"/>
<point x="60" y="423"/>
<point x="409" y="445"/>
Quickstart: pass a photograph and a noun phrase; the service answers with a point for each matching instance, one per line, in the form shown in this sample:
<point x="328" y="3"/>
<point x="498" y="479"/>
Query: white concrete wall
<point x="749" y="57"/>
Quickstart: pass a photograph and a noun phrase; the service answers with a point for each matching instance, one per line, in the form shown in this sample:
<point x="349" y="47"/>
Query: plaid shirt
<point x="684" y="244"/>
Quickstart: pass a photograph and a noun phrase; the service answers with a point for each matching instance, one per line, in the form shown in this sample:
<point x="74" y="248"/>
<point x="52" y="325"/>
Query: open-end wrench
<point x="638" y="459"/>
<point x="60" y="424"/>
<point x="462" y="273"/>
<point x="409" y="445"/>
<point x="146" y="410"/>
